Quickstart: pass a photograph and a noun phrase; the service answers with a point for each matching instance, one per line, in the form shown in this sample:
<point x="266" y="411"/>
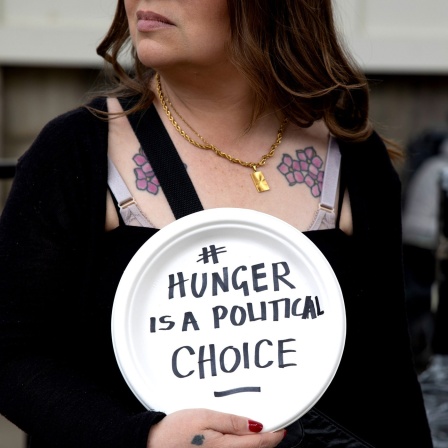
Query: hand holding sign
<point x="196" y="427"/>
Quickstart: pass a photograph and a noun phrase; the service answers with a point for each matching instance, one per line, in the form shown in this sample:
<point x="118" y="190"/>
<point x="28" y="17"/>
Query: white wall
<point x="397" y="36"/>
<point x="53" y="32"/>
<point x="408" y="36"/>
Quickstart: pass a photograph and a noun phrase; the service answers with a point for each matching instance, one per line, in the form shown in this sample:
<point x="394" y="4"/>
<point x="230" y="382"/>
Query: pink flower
<point x="310" y="165"/>
<point x="144" y="174"/>
<point x="290" y="168"/>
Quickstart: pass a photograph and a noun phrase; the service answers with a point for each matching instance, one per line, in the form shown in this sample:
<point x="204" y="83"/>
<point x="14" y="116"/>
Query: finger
<point x="254" y="440"/>
<point x="236" y="424"/>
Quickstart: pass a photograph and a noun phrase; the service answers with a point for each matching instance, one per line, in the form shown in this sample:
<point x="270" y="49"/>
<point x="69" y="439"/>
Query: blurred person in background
<point x="425" y="243"/>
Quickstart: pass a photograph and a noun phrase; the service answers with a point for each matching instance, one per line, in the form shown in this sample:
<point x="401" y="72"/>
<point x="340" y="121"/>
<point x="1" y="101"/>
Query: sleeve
<point x="44" y="240"/>
<point x="382" y="344"/>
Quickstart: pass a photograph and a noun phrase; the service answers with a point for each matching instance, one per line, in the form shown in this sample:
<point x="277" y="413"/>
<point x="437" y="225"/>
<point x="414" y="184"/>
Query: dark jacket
<point x="59" y="381"/>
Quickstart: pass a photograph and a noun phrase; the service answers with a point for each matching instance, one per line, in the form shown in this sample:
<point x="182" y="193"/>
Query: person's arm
<point x="43" y="242"/>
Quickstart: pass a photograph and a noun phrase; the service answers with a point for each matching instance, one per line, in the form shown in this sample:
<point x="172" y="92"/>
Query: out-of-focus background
<point x="48" y="62"/>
